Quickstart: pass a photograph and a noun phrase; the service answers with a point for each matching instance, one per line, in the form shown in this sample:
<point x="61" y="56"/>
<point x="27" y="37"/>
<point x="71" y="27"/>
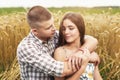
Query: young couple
<point x="74" y="57"/>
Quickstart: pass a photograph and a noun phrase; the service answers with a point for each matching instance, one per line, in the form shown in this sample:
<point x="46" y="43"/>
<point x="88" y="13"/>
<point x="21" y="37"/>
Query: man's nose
<point x="53" y="28"/>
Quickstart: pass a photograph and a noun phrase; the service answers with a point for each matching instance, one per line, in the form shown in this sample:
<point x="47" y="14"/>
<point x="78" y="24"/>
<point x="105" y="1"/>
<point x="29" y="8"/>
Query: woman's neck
<point x="74" y="45"/>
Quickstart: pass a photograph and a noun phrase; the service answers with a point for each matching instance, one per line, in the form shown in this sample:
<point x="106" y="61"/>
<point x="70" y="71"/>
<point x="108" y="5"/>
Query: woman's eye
<point x="71" y="28"/>
<point x="63" y="29"/>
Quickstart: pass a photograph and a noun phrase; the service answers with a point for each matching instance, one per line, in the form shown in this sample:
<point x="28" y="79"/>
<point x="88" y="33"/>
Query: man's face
<point x="46" y="30"/>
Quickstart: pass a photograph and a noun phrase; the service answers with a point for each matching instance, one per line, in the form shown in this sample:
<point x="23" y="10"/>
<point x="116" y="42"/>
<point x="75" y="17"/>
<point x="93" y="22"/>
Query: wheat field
<point x="105" y="27"/>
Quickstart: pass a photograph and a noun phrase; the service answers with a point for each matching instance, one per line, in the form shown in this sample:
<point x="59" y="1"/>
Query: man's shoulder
<point x="25" y="41"/>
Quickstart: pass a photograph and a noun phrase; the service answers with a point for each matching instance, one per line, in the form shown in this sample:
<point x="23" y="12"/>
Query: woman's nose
<point x="66" y="31"/>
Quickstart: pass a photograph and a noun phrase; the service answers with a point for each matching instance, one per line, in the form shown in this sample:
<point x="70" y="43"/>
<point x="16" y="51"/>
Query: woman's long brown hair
<point x="78" y="21"/>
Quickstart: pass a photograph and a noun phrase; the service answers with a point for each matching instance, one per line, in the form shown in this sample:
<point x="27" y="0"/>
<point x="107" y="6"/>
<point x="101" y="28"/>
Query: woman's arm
<point x="76" y="75"/>
<point x="85" y="60"/>
<point x="97" y="75"/>
<point x="70" y="67"/>
<point x="59" y="55"/>
<point x="73" y="75"/>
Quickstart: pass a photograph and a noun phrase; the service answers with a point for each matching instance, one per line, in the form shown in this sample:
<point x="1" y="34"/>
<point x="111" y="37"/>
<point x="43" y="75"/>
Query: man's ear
<point x="34" y="30"/>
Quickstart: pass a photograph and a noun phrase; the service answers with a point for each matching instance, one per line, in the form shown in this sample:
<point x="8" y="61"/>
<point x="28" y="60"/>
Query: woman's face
<point x="70" y="31"/>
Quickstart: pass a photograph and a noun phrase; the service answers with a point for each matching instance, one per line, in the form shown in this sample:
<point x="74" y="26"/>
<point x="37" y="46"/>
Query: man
<point x="34" y="51"/>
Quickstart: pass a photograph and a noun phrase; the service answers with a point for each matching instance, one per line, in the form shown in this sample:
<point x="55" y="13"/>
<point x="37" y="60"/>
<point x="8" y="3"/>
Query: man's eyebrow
<point x="48" y="27"/>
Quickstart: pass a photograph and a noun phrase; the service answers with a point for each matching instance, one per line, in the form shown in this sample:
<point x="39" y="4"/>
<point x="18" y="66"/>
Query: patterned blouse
<point x="88" y="74"/>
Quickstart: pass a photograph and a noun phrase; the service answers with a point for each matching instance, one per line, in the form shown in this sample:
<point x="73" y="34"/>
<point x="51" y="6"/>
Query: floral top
<point x="88" y="74"/>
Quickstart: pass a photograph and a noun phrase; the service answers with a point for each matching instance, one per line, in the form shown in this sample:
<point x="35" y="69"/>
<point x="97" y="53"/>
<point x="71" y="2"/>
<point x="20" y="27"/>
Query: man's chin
<point x="51" y="36"/>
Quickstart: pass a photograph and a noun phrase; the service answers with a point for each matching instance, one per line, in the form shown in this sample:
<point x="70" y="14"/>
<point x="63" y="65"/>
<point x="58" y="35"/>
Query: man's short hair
<point x="36" y="15"/>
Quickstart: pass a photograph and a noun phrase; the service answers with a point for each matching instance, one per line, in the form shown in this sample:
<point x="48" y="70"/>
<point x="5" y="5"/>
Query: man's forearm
<point x="94" y="58"/>
<point x="90" y="43"/>
<point x="67" y="70"/>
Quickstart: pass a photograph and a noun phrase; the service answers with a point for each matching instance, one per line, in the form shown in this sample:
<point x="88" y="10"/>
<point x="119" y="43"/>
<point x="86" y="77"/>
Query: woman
<point x="72" y="32"/>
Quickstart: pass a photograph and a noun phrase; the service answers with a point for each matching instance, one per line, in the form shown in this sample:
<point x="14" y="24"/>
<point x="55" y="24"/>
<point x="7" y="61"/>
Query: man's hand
<point x="94" y="58"/>
<point x="78" y="58"/>
<point x="85" y="58"/>
<point x="75" y="59"/>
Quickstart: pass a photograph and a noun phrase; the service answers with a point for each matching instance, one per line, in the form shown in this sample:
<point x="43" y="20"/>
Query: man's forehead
<point x="47" y="23"/>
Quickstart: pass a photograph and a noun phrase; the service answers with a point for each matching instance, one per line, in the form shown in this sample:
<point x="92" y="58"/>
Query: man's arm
<point x="71" y="71"/>
<point x="84" y="63"/>
<point x="32" y="55"/>
<point x="90" y="43"/>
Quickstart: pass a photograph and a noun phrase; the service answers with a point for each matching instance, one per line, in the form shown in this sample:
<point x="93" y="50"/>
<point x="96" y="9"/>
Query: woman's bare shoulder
<point x="59" y="54"/>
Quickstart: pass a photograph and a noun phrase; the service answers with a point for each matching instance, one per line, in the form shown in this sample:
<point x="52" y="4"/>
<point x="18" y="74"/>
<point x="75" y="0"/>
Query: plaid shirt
<point x="35" y="59"/>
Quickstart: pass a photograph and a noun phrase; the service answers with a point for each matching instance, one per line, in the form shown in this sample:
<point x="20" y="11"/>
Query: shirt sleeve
<point x="37" y="59"/>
